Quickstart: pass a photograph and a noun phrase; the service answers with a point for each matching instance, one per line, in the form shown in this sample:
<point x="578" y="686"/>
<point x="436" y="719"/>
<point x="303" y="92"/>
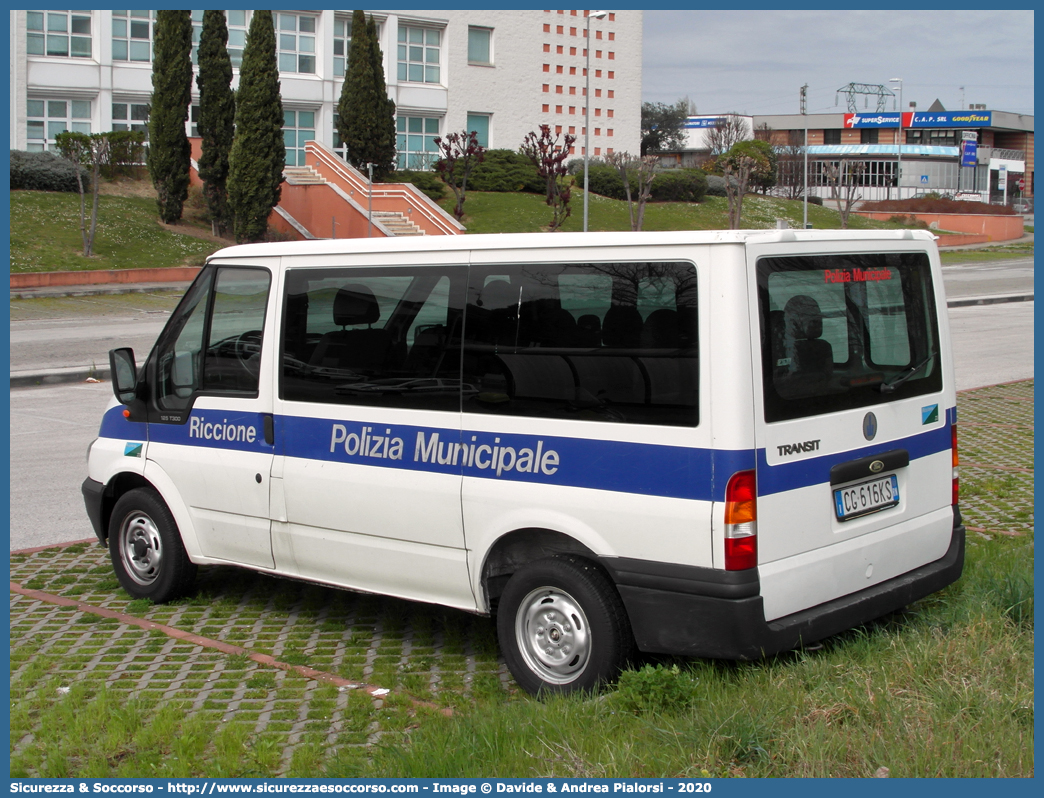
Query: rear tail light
<point x="741" y="522"/>
<point x="953" y="443"/>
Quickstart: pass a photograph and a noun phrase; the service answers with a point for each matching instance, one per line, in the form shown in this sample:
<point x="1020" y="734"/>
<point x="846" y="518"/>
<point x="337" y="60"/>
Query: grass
<point x="986" y="254"/>
<point x="495" y="212"/>
<point x="45" y="235"/>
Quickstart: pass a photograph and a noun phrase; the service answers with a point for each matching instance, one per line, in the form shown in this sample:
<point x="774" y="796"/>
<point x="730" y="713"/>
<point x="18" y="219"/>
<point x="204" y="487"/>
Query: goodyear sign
<point x="921" y="119"/>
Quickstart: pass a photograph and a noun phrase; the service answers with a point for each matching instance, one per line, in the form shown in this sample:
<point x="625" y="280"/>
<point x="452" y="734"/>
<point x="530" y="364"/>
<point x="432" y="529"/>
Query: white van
<point x="716" y="444"/>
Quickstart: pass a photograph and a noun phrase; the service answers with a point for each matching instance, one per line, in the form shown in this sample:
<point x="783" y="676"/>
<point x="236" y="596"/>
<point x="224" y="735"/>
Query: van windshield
<point x="845" y="331"/>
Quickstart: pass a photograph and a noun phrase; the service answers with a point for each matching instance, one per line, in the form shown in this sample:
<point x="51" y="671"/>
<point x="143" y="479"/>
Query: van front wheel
<point x="562" y="627"/>
<point x="146" y="550"/>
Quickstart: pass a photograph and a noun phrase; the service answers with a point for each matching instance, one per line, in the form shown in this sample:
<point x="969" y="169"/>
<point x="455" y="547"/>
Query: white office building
<point x="500" y="73"/>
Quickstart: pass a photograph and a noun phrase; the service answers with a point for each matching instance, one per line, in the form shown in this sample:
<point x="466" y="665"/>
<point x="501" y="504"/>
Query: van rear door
<point x="854" y="403"/>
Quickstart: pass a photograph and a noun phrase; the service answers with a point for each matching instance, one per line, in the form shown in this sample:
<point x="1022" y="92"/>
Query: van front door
<point x="208" y="414"/>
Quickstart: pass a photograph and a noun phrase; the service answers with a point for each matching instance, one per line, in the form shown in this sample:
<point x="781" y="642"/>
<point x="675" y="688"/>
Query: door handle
<point x="269" y="429"/>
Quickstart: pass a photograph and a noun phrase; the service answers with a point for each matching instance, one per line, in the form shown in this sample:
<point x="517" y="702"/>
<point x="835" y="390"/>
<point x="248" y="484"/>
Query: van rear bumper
<point x="715" y="624"/>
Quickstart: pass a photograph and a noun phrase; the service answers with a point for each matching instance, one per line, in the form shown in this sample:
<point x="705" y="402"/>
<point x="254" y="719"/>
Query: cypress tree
<point x="366" y="116"/>
<point x="384" y="134"/>
<point x="217" y="116"/>
<point x="171" y="94"/>
<point x="255" y="164"/>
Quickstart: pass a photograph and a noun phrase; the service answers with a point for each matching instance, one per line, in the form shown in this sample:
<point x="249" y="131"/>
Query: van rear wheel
<point x="146" y="550"/>
<point x="562" y="627"/>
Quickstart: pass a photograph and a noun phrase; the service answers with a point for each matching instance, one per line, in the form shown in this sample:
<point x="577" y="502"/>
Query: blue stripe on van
<point x="115" y="425"/>
<point x="639" y="468"/>
<point x="646" y="469"/>
<point x="816" y="470"/>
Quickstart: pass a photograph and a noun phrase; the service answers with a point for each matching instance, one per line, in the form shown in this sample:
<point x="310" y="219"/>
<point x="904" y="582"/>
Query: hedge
<point x="44" y="171"/>
<point x="506" y="170"/>
<point x="675" y="185"/>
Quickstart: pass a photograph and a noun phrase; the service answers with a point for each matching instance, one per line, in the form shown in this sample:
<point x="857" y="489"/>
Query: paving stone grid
<point x="417" y="652"/>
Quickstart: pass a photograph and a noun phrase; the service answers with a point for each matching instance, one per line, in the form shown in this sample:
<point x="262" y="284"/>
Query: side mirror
<point x="124" y="373"/>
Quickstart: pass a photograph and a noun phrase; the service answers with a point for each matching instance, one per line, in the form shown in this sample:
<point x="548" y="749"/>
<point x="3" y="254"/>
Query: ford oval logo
<point x="877" y="466"/>
<point x="869" y="426"/>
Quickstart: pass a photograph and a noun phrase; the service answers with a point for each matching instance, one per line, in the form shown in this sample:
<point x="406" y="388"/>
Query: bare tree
<point x="844" y="178"/>
<point x="460" y="153"/>
<point x="549" y="157"/>
<point x="643" y="171"/>
<point x="89" y="151"/>
<point x="730" y="129"/>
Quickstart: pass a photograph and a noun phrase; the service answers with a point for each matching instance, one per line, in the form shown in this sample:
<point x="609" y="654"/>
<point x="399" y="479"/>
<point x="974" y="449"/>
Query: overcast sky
<point x="755" y="62"/>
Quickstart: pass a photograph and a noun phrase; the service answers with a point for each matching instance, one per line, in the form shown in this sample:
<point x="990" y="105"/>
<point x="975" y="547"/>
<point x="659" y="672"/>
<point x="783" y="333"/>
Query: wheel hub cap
<point x="551" y="630"/>
<point x="140" y="548"/>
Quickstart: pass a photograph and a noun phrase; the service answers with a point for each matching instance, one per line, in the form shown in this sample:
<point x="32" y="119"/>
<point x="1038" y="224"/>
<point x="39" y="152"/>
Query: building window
<point x="133" y="116"/>
<point x="47" y="118"/>
<point x="419" y="52"/>
<point x="933" y="138"/>
<point x="338" y="145"/>
<point x="298" y="127"/>
<point x="132" y="35"/>
<point x="237" y="22"/>
<point x="58" y="33"/>
<point x="415" y="142"/>
<point x="480" y="46"/>
<point x="342" y="42"/>
<point x="296" y="43"/>
<point x="868" y="135"/>
<point x="832" y="136"/>
<point x="480" y="124"/>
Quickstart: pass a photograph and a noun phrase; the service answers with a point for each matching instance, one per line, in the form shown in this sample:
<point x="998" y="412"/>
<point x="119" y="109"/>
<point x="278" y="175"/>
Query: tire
<point x="562" y="627"/>
<point x="146" y="550"/>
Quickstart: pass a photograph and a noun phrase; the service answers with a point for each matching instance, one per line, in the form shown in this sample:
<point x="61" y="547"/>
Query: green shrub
<point x="655" y="689"/>
<point x="716" y="186"/>
<point x="679" y="185"/>
<point x="44" y="171"/>
<point x="428" y="182"/>
<point x="814" y="200"/>
<point x="506" y="170"/>
<point x="126" y="151"/>
<point x="606" y="181"/>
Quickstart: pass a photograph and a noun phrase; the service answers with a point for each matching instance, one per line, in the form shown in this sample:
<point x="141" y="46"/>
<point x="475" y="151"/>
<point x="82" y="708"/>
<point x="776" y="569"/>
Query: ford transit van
<point x="713" y="444"/>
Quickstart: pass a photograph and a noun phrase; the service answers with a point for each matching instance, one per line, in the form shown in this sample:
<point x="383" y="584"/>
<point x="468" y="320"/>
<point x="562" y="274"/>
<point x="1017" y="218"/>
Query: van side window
<point x="838" y="330"/>
<point x="597" y="342"/>
<point x="212" y="343"/>
<point x="382" y="336"/>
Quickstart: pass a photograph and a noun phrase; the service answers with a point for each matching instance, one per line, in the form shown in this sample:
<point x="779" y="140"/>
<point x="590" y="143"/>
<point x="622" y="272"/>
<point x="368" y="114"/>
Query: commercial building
<point x="499" y="73"/>
<point x="974" y="152"/>
<point x="968" y="152"/>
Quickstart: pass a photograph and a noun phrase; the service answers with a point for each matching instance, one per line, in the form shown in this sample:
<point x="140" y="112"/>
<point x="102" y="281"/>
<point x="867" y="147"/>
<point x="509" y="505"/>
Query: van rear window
<point x="846" y="331"/>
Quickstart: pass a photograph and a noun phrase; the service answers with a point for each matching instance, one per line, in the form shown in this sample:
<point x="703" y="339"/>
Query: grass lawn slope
<point x="45" y="235"/>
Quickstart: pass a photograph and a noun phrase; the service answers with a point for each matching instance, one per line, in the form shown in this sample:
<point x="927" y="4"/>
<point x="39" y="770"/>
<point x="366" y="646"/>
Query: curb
<point x="97" y="290"/>
<point x="993" y="299"/>
<point x="59" y="376"/>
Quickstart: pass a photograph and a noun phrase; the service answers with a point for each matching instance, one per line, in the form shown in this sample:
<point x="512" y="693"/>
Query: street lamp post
<point x="899" y="151"/>
<point x="587" y="106"/>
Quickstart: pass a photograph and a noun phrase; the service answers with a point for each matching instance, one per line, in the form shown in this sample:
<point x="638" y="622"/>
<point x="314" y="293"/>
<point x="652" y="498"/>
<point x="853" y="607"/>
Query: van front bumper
<point x="93" y="496"/>
<point x="720" y="615"/>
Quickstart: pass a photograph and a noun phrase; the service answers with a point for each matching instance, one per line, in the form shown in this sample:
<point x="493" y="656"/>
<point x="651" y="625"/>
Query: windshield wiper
<point x="899" y="379"/>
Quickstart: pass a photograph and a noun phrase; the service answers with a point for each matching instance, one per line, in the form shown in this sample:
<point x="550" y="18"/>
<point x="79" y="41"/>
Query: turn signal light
<point x="741" y="522"/>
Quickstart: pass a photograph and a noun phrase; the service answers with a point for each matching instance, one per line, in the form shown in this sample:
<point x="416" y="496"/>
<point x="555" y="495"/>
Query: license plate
<point x="866" y="497"/>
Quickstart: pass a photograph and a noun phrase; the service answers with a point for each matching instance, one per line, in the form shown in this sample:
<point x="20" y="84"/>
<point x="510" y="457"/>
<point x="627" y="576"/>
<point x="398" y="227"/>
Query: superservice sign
<point x="925" y="119"/>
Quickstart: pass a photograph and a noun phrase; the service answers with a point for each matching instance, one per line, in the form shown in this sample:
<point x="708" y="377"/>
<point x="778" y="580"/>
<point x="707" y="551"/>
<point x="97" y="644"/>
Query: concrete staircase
<point x="303" y="176"/>
<point x="397" y="224"/>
